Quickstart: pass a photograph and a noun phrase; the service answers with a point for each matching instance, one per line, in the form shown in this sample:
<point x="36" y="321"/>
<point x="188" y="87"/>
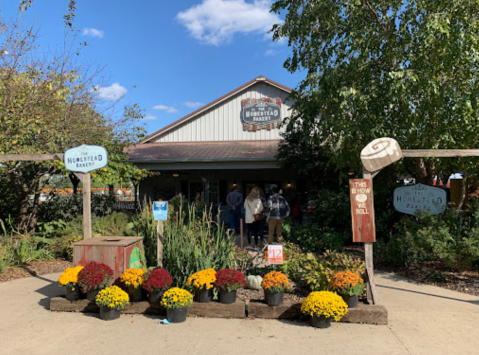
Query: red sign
<point x="362" y="210"/>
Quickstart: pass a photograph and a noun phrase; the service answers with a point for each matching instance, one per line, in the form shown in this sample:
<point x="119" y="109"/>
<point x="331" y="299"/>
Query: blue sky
<point x="179" y="54"/>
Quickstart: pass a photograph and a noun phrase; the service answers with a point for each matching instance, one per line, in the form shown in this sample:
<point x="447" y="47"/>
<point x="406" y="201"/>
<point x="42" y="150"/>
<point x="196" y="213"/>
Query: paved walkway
<point x="422" y="320"/>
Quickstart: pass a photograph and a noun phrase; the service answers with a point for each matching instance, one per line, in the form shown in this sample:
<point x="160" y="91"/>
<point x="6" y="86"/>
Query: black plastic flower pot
<point x="273" y="298"/>
<point x="351" y="301"/>
<point x="176" y="315"/>
<point x="320" y="321"/>
<point x="135" y="294"/>
<point x="227" y="297"/>
<point x="107" y="313"/>
<point x="155" y="296"/>
<point x="72" y="293"/>
<point x="203" y="295"/>
<point x="91" y="294"/>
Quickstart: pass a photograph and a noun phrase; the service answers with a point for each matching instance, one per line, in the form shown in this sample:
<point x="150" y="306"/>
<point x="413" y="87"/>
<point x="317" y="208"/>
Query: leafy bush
<point x="452" y="238"/>
<point x="69" y="208"/>
<point x="315" y="239"/>
<point x="317" y="272"/>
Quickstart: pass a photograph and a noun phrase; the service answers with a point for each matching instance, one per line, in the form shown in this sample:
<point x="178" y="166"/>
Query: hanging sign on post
<point x="362" y="210"/>
<point x="160" y="210"/>
<point x="85" y="158"/>
<point x="81" y="160"/>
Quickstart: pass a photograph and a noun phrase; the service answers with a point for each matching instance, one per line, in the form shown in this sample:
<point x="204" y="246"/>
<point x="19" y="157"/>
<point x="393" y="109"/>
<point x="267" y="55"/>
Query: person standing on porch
<point x="234" y="200"/>
<point x="253" y="207"/>
<point x="278" y="209"/>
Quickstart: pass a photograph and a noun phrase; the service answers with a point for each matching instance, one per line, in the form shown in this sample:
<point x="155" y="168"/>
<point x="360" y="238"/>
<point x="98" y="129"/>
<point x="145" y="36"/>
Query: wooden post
<point x="371" y="293"/>
<point x="241" y="232"/>
<point x="86" y="205"/>
<point x="159" y="244"/>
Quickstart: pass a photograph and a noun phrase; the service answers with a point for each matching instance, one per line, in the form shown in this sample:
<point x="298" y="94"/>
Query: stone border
<point x="366" y="314"/>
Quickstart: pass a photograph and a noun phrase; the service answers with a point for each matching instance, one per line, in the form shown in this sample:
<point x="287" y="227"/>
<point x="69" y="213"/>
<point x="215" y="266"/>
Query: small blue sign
<point x="160" y="210"/>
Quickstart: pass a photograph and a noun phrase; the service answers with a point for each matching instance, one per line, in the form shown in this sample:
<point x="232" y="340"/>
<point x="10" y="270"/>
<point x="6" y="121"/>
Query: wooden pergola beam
<point x="31" y="157"/>
<point x="439" y="153"/>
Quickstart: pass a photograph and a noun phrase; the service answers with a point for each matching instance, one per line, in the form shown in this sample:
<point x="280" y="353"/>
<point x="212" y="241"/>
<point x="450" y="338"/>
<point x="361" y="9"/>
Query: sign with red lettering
<point x="362" y="210"/>
<point x="275" y="254"/>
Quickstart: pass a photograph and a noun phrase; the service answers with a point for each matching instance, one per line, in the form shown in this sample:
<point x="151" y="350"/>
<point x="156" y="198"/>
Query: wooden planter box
<point x="116" y="252"/>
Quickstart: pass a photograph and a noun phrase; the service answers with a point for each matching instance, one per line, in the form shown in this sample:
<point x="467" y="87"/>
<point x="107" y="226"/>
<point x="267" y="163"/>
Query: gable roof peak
<point x="193" y="114"/>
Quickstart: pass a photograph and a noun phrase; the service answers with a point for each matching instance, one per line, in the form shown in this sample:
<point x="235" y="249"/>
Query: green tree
<point x="48" y="105"/>
<point x="401" y="69"/>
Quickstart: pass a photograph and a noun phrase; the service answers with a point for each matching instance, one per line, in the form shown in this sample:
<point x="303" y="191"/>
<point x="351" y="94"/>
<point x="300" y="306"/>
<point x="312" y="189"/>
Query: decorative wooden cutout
<point x="380" y="153"/>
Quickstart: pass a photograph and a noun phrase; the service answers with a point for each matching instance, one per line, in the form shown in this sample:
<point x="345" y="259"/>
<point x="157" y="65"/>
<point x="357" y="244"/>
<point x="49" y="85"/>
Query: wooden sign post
<point x="160" y="214"/>
<point x="81" y="160"/>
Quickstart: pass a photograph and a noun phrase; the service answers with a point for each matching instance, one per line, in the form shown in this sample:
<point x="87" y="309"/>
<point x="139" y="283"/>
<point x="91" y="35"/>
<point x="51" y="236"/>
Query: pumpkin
<point x="254" y="282"/>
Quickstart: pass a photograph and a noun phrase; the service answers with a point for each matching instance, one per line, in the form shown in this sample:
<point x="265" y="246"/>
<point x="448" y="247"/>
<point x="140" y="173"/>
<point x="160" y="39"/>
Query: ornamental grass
<point x="156" y="280"/>
<point x="202" y="279"/>
<point x="94" y="276"/>
<point x="112" y="297"/>
<point x="347" y="283"/>
<point x="324" y="303"/>
<point x="69" y="277"/>
<point x="132" y="277"/>
<point x="275" y="281"/>
<point x="176" y="298"/>
<point x="228" y="279"/>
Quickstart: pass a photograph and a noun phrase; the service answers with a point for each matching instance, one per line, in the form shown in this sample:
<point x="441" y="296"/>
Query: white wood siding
<point x="223" y="122"/>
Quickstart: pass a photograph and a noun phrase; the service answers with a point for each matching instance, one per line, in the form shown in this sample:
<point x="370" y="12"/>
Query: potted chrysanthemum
<point x="274" y="283"/>
<point x="156" y="282"/>
<point x="227" y="282"/>
<point x="93" y="278"/>
<point x="176" y="301"/>
<point x="111" y="301"/>
<point x="348" y="285"/>
<point x="133" y="279"/>
<point x="202" y="284"/>
<point x="323" y="306"/>
<point x="69" y="280"/>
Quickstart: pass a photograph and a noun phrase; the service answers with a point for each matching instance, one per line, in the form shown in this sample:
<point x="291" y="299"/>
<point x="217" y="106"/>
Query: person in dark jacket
<point x="277" y="210"/>
<point x="234" y="200"/>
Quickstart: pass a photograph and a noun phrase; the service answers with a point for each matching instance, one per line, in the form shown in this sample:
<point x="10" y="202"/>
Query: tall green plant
<point x="145" y="225"/>
<point x="193" y="242"/>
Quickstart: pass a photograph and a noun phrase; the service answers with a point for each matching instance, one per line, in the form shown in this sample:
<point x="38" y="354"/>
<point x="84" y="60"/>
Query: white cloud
<point x="193" y="104"/>
<point x="149" y="118"/>
<point x="168" y="109"/>
<point x="113" y="92"/>
<point x="270" y="52"/>
<point x="92" y="32"/>
<point x="217" y="21"/>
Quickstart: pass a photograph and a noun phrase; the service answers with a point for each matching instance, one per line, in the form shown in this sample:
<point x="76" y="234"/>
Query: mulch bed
<point x="40" y="267"/>
<point x="431" y="273"/>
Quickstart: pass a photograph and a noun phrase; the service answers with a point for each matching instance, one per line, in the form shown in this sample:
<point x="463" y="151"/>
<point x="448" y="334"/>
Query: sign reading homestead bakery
<point x="264" y="113"/>
<point x="86" y="158"/>
<point x="419" y="197"/>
